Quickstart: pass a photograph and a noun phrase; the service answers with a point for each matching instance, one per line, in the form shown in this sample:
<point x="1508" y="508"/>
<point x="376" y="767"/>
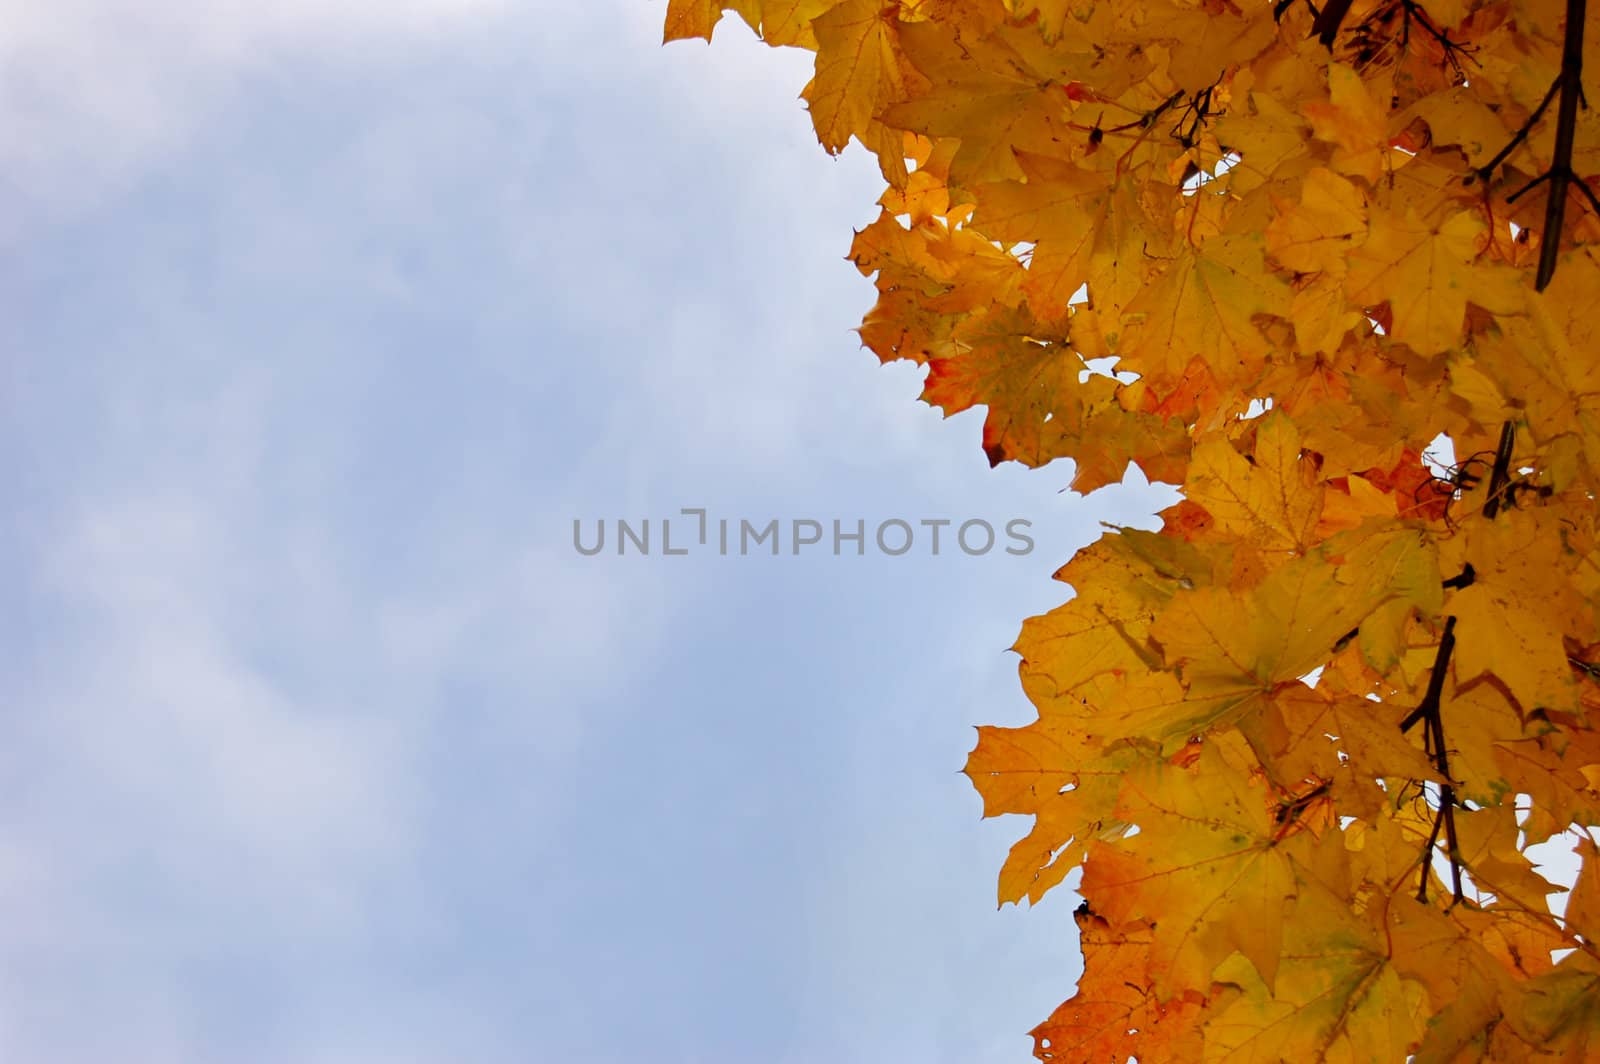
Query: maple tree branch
<point x="1411" y="10"/>
<point x="1427" y="851"/>
<point x="1588" y="194"/>
<point x="1433" y="739"/>
<point x="1484" y="172"/>
<point x="1430" y="700"/>
<point x="1529" y="187"/>
<point x="1326" y="26"/>
<point x="1447" y="805"/>
<point x="1148" y="118"/>
<point x="1500" y="474"/>
<point x="1195" y="114"/>
<point x="1568" y="85"/>
<point x="1447" y="790"/>
<point x="1144" y="124"/>
<point x="1561" y="176"/>
<point x="1428" y="710"/>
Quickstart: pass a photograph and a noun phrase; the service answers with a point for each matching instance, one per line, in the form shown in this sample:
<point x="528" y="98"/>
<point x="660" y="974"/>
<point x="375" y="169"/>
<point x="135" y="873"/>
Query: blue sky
<point x="322" y="325"/>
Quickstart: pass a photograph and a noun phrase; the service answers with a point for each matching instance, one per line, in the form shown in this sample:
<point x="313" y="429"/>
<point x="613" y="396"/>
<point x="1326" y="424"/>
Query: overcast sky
<point x="321" y="325"/>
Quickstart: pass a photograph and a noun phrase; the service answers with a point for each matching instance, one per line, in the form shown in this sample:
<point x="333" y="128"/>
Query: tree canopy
<point x="1332" y="271"/>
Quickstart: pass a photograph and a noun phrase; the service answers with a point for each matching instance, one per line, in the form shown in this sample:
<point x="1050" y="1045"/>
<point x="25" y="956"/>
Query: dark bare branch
<point x="1561" y="175"/>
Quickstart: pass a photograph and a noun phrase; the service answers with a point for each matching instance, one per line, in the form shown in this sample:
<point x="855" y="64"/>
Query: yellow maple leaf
<point x="1517" y="609"/>
<point x="1116" y="1013"/>
<point x="1318" y="233"/>
<point x="1273" y="501"/>
<point x="1233" y="649"/>
<point x="1204" y="305"/>
<point x="1207" y="851"/>
<point x="1337" y="996"/>
<point x="1560" y="1011"/>
<point x="1356" y="119"/>
<point x="1424" y="272"/>
<point x="993" y="96"/>
<point x="858" y="69"/>
<point x="1061" y="209"/>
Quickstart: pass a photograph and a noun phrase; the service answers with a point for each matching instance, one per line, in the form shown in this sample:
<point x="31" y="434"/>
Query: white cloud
<point x="202" y="762"/>
<point x="92" y="93"/>
<point x="319" y="669"/>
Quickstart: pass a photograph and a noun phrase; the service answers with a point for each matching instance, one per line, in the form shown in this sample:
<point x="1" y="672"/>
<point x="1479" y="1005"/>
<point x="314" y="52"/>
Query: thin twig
<point x="1413" y="11"/>
<point x="1434" y="740"/>
<point x="1486" y="171"/>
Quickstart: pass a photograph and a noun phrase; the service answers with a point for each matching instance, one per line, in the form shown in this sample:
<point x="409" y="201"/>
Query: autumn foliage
<point x="1298" y="742"/>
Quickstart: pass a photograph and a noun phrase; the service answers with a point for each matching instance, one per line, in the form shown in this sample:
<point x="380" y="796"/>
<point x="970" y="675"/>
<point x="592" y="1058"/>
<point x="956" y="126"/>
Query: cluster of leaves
<point x="1298" y="741"/>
